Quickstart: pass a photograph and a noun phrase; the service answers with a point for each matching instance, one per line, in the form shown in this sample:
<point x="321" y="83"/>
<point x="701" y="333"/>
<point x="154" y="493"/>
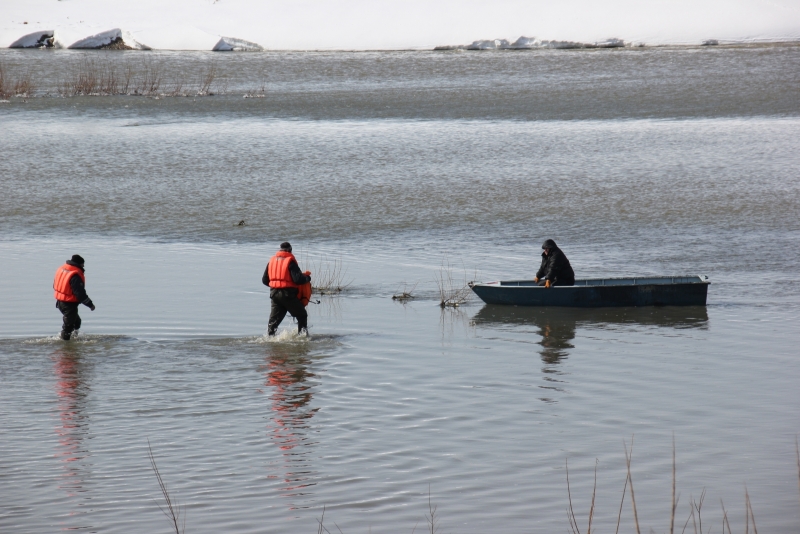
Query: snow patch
<point x="232" y="44"/>
<point x="115" y="39"/>
<point x="41" y="39"/>
<point x="489" y="44"/>
<point x="532" y="43"/>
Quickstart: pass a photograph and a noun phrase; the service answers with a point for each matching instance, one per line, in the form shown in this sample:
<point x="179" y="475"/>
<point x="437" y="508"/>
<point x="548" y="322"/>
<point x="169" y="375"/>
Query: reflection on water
<point x="72" y="387"/>
<point x="287" y="379"/>
<point x="556" y="327"/>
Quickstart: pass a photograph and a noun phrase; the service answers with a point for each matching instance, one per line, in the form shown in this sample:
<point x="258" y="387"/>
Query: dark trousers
<point x="557" y="282"/>
<point x="72" y="321"/>
<point x="285" y="300"/>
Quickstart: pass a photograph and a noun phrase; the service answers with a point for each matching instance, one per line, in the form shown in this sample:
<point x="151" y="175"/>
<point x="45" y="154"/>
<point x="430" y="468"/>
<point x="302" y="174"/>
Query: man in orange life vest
<point x="283" y="276"/>
<point x="70" y="292"/>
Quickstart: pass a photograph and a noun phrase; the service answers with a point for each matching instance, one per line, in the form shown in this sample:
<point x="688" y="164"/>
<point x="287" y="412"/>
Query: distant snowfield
<point x="399" y="24"/>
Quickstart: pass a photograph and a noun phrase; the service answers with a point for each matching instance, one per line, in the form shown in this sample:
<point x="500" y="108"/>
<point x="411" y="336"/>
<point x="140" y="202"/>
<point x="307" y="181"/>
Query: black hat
<point x="77" y="259"/>
<point x="549" y="244"/>
<point x="286" y="246"/>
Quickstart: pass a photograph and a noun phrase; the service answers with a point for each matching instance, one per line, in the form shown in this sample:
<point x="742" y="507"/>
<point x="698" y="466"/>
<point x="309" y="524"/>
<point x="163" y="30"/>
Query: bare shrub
<point x="405" y="293"/>
<point x="150" y="81"/>
<point x="4" y="91"/>
<point x="127" y="77"/>
<point x="206" y="79"/>
<point x="177" y="87"/>
<point x="329" y="276"/>
<point x="452" y="293"/>
<point x="24" y="86"/>
<point x="257" y="93"/>
<point x="109" y="82"/>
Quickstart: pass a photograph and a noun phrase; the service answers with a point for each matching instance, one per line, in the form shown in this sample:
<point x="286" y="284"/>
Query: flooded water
<point x="393" y="165"/>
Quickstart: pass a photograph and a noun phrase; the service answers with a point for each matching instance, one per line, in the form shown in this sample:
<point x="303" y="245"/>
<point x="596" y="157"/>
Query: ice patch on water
<point x="116" y="39"/>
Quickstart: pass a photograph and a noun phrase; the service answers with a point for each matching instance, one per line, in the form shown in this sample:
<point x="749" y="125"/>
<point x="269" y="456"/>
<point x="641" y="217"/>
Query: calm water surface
<point x="636" y="162"/>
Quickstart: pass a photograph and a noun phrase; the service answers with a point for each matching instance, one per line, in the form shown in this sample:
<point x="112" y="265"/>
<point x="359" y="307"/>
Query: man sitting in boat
<point x="555" y="269"/>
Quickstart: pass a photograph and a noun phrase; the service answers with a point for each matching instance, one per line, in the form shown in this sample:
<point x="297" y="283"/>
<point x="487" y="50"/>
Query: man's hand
<point x="547" y="284"/>
<point x="535" y="279"/>
<point x="92" y="307"/>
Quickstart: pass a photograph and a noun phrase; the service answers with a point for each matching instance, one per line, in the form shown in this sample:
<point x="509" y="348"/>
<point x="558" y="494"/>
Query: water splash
<point x="287" y="335"/>
<point x="78" y="338"/>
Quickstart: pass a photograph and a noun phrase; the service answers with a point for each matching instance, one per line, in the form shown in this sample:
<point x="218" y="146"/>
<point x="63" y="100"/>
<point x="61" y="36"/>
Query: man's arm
<point x="541" y="272"/>
<point x="297" y="275"/>
<point x="79" y="290"/>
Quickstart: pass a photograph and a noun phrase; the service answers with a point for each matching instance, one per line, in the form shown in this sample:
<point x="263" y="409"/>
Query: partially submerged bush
<point x="452" y="292"/>
<point x="329" y="277"/>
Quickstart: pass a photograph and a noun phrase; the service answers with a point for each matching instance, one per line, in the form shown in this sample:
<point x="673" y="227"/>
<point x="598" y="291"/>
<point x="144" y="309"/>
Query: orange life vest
<point x="278" y="270"/>
<point x="63" y="291"/>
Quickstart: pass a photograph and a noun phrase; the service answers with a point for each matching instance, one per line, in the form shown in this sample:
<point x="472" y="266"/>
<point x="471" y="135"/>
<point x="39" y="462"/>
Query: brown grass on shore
<point x="21" y="86"/>
<point x="90" y="77"/>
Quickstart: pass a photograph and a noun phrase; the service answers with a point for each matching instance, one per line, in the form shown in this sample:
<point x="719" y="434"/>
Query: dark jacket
<point x="556" y="268"/>
<point x="294" y="270"/>
<point x="78" y="289"/>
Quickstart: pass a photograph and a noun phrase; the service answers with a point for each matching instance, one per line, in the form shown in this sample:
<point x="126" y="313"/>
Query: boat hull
<point x="598" y="293"/>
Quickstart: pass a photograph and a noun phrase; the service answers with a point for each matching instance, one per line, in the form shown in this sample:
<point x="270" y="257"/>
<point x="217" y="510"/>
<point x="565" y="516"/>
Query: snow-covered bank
<point x="115" y="39"/>
<point x="406" y="24"/>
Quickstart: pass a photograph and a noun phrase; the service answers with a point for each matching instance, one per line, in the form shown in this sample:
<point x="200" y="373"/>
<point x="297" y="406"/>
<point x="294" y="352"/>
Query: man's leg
<point x="299" y="312"/>
<point x="276" y="315"/>
<point x="72" y="321"/>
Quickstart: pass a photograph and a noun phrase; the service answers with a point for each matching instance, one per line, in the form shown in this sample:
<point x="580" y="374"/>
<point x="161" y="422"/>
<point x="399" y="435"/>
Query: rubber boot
<point x="65" y="336"/>
<point x="302" y="330"/>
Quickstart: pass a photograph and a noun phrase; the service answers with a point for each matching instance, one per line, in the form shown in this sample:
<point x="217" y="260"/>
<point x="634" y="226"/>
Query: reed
<point x="170" y="508"/>
<point x="431" y="517"/>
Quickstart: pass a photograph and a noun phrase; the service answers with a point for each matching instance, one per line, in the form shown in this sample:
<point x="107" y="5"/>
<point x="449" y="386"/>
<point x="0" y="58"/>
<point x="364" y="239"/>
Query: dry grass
<point x="95" y="78"/>
<point x="694" y="517"/>
<point x="145" y="77"/>
<point x="21" y="86"/>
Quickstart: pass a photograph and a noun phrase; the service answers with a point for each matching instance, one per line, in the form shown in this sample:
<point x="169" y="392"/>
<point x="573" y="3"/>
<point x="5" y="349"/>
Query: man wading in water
<point x="555" y="269"/>
<point x="283" y="276"/>
<point x="70" y="292"/>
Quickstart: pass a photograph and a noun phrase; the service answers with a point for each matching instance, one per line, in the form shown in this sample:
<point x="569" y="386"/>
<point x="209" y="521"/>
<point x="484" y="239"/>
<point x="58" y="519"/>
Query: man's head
<point x="548" y="245"/>
<point x="78" y="260"/>
<point x="286" y="246"/>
